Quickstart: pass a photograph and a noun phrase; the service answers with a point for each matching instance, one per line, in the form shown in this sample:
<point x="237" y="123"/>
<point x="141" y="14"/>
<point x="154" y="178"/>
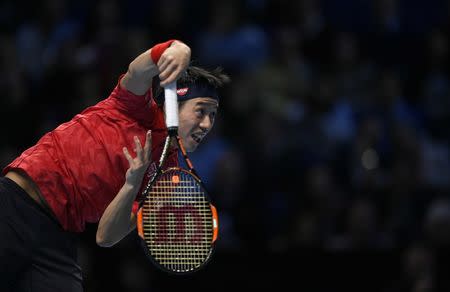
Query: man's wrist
<point x="130" y="186"/>
<point x="158" y="50"/>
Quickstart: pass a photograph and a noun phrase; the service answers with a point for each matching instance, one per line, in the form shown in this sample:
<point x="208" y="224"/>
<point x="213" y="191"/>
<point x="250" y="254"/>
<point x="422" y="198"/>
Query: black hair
<point x="215" y="78"/>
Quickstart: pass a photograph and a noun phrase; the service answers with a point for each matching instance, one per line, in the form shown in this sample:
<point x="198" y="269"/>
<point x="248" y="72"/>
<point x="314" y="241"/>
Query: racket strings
<point x="179" y="228"/>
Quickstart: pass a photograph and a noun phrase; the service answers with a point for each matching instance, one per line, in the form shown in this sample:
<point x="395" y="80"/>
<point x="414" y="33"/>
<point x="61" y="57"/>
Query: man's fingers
<point x="163" y="63"/>
<point x="167" y="72"/>
<point x="139" y="151"/>
<point x="127" y="155"/>
<point x="148" y="146"/>
<point x="172" y="77"/>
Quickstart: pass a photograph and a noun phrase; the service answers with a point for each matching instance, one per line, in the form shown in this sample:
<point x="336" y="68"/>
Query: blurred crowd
<point x="332" y="136"/>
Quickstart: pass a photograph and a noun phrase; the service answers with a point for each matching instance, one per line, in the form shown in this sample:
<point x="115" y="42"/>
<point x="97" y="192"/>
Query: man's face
<point x="196" y="120"/>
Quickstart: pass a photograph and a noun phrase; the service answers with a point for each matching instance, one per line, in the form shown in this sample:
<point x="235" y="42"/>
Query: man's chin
<point x="189" y="145"/>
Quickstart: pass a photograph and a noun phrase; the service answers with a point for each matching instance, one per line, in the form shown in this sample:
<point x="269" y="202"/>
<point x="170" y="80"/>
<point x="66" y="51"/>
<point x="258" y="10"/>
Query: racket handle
<point x="171" y="106"/>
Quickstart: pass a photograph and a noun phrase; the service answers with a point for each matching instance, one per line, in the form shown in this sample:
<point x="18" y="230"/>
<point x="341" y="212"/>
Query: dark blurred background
<point x="329" y="162"/>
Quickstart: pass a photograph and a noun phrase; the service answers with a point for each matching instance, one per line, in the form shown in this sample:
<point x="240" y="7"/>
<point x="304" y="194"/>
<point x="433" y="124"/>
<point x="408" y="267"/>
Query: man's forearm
<point x="116" y="221"/>
<point x="141" y="71"/>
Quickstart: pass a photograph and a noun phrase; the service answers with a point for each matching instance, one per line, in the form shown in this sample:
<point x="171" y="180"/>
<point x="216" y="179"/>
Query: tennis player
<point x="93" y="168"/>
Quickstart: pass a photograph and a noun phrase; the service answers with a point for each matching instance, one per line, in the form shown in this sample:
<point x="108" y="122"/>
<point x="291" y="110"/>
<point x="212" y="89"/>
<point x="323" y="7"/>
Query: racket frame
<point x="215" y="226"/>
<point x="171" y="110"/>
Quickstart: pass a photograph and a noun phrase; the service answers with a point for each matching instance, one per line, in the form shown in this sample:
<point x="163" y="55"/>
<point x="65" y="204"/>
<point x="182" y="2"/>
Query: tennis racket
<point x="176" y="220"/>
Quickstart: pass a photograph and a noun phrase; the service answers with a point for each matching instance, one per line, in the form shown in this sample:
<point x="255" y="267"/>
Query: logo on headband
<point x="182" y="91"/>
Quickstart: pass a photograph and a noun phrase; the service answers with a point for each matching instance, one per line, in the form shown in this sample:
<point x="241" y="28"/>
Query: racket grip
<point x="171" y="105"/>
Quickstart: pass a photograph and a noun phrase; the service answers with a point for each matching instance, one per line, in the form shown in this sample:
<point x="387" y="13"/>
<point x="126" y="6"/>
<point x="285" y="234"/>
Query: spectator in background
<point x="417" y="270"/>
<point x="437" y="222"/>
<point x="41" y="41"/>
<point x="228" y="38"/>
<point x="363" y="229"/>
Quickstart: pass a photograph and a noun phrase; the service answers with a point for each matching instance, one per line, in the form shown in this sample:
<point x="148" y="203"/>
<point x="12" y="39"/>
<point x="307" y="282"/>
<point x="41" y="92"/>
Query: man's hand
<point x="116" y="221"/>
<point x="140" y="163"/>
<point x="173" y="62"/>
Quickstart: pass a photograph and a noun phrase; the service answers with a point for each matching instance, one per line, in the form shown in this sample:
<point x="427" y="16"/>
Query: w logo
<point x="177" y="224"/>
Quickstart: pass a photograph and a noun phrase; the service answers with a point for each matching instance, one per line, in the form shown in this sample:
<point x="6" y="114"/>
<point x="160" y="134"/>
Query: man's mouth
<point x="197" y="137"/>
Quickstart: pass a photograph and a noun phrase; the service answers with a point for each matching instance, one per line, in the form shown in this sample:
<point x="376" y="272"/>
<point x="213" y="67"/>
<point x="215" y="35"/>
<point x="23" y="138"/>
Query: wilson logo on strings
<point x="171" y="225"/>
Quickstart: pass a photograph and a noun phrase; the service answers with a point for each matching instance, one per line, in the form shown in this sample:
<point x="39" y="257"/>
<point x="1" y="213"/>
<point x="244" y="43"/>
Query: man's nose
<point x="206" y="123"/>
